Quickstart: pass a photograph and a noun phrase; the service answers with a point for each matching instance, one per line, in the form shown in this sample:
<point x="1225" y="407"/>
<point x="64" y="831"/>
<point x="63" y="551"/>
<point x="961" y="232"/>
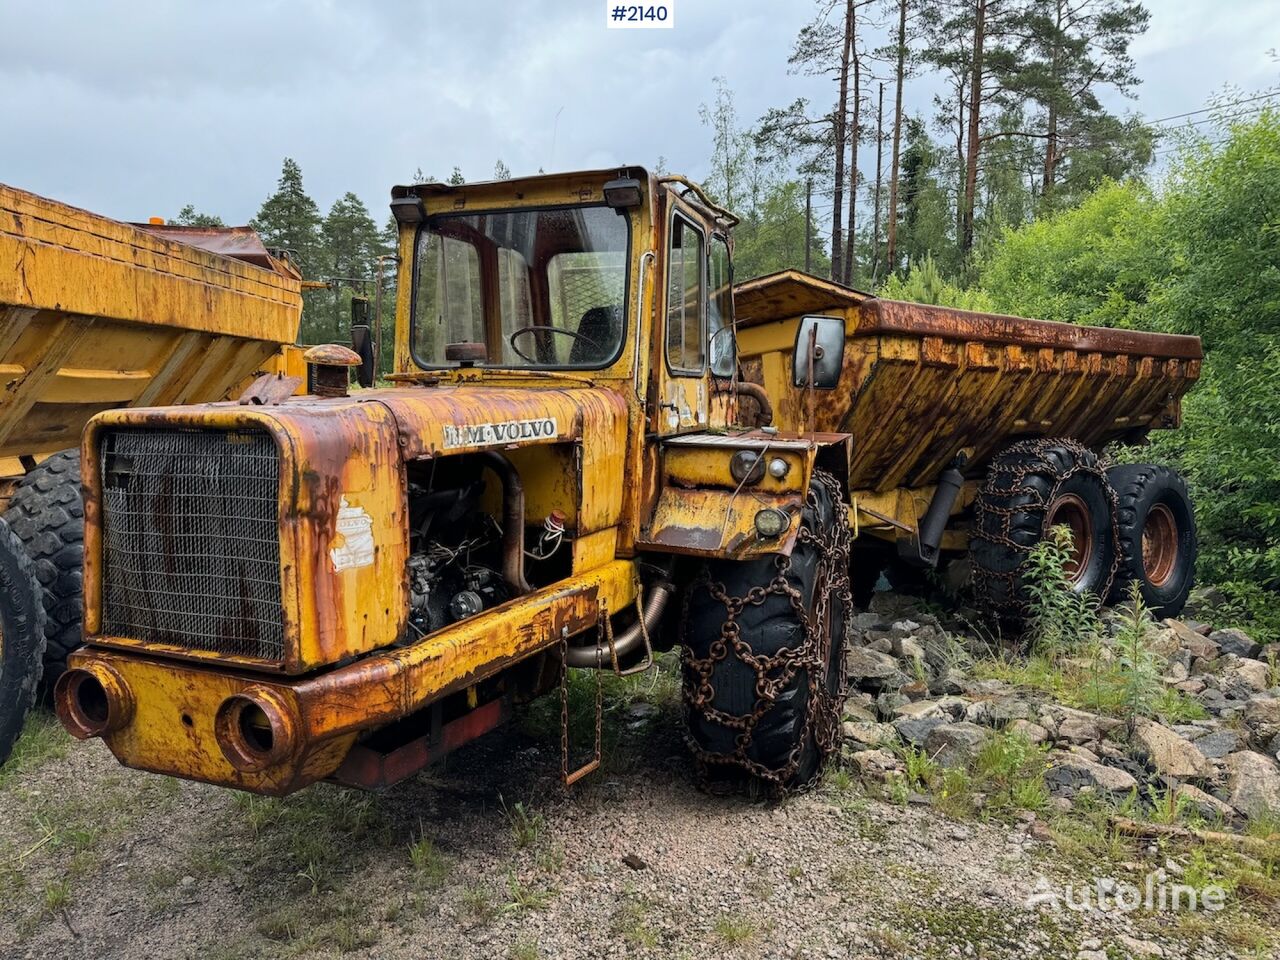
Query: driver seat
<point x="603" y="326"/>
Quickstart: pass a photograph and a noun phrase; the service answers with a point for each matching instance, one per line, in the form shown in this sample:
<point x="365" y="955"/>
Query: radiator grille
<point x="191" y="543"/>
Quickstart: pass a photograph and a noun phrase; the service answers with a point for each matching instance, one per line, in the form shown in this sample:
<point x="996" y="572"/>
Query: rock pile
<point x="911" y="683"/>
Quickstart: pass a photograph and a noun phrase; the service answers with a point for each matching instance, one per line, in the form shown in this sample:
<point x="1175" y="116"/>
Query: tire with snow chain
<point x="21" y="637"/>
<point x="776" y="717"/>
<point x="1031" y="487"/>
<point x="47" y="513"/>
<point x="1155" y="536"/>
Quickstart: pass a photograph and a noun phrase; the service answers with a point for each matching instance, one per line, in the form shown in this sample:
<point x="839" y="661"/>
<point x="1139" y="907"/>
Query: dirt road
<point x="486" y="857"/>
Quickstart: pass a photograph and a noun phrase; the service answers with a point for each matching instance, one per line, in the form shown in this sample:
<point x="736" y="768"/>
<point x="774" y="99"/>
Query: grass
<point x="523" y="949"/>
<point x="631" y="922"/>
<point x="526" y="825"/>
<point x="42" y="740"/>
<point x="430" y="867"/>
<point x="734" y="930"/>
<point x="523" y="896"/>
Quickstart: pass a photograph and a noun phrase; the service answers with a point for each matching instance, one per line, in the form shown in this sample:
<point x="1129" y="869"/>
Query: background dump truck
<point x="582" y="459"/>
<point x="94" y="315"/>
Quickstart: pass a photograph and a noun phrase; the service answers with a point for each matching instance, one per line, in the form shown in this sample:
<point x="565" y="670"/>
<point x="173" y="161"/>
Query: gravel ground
<point x="487" y="857"/>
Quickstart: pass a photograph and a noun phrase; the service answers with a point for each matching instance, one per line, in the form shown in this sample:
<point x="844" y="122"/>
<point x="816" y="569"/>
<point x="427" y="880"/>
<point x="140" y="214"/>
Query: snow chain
<point x="993" y="521"/>
<point x="774" y="673"/>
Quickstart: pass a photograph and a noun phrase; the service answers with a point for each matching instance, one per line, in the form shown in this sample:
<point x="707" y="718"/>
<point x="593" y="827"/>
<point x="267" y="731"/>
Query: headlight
<point x="772" y="522"/>
<point x="778" y="468"/>
<point x="747" y="466"/>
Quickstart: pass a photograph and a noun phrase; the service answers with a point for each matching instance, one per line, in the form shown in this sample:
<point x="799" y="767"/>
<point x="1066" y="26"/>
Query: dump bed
<point x="96" y="314"/>
<point x="921" y="384"/>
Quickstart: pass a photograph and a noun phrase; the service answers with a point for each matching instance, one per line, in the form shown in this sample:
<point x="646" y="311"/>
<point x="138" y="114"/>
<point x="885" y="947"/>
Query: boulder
<point x="1218" y="744"/>
<point x="1262" y="719"/>
<point x="1031" y="732"/>
<point x="1240" y="677"/>
<point x="1236" y="642"/>
<point x="915" y="690"/>
<point x="857" y="710"/>
<point x="905" y="648"/>
<point x="864" y="664"/>
<point x="1079" y="726"/>
<point x="876" y="764"/>
<point x="1253" y="783"/>
<point x="950" y="681"/>
<point x="998" y="711"/>
<point x="1195" y="643"/>
<point x="915" y="730"/>
<point x="1169" y="753"/>
<point x="860" y="734"/>
<point x="955" y="744"/>
<point x="1071" y="772"/>
<point x="1206" y="805"/>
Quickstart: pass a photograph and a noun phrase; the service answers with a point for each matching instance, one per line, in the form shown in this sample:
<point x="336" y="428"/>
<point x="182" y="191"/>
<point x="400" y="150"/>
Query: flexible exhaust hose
<point x="597" y="654"/>
<point x="512" y="520"/>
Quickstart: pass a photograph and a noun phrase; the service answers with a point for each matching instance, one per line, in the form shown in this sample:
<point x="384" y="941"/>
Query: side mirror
<point x="820" y="349"/>
<point x="362" y="342"/>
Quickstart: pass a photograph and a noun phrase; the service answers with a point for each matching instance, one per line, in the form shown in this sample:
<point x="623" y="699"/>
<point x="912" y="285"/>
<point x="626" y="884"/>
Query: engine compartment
<point x="471" y="547"/>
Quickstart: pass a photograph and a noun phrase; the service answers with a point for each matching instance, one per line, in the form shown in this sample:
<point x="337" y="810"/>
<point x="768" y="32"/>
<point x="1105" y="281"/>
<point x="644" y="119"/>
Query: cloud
<point x="137" y="108"/>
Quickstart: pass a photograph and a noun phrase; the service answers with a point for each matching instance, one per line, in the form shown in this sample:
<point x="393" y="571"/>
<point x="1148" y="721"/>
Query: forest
<point x="1022" y="191"/>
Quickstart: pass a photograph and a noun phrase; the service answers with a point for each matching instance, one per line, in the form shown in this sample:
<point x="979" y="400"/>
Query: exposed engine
<point x="456" y="553"/>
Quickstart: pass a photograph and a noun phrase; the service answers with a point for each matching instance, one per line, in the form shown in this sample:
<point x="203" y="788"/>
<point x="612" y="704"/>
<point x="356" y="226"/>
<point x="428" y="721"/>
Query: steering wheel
<point x="536" y="329"/>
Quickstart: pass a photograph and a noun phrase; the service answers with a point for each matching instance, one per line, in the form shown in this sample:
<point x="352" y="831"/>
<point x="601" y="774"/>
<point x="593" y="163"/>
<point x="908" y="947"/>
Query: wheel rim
<point x="1159" y="545"/>
<point x="1072" y="512"/>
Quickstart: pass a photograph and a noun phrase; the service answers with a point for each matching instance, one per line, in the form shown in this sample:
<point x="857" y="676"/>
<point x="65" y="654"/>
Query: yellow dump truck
<point x="95" y="315"/>
<point x="591" y="449"/>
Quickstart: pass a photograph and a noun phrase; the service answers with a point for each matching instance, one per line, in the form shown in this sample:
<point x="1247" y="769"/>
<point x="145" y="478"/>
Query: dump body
<point x="921" y="384"/>
<point x="96" y="314"/>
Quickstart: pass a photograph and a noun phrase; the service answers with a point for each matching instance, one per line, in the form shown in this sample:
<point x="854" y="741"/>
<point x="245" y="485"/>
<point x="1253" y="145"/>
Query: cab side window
<point x="686" y="291"/>
<point x="720" y="343"/>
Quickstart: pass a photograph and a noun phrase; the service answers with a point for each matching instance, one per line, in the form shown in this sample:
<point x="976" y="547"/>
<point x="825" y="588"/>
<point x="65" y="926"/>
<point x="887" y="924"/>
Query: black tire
<point x="797" y="717"/>
<point x="1156" y="528"/>
<point x="21" y="637"/>
<point x="47" y="513"/>
<point x="1031" y="487"/>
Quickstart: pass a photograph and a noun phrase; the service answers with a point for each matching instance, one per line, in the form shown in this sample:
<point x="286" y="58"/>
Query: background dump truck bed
<point x="96" y="314"/>
<point x="921" y="383"/>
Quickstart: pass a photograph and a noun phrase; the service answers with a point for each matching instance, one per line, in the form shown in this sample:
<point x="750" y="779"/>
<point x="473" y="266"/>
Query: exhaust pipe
<point x="92" y="701"/>
<point x="256" y="729"/>
<point x="628" y="640"/>
<point x="512" y="520"/>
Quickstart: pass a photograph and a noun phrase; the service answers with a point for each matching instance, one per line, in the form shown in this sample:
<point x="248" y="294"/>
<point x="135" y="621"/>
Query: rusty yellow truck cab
<point x="583" y="456"/>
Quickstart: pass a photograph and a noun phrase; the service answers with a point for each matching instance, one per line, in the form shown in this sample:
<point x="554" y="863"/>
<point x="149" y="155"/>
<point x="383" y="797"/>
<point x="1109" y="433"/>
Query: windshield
<point x="538" y="288"/>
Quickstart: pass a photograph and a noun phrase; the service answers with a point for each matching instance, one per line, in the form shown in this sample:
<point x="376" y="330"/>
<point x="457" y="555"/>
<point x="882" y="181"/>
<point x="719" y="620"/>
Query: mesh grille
<point x="191" y="544"/>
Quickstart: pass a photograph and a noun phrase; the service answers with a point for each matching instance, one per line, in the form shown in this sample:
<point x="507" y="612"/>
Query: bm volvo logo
<point x="489" y="434"/>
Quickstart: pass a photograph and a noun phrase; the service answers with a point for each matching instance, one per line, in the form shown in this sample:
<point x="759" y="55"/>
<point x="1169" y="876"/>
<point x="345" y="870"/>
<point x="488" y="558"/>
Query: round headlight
<point x="772" y="522"/>
<point x="747" y="466"/>
<point x="778" y="468"/>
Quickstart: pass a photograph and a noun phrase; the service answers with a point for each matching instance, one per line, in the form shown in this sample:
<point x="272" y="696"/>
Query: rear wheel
<point x="47" y="513"/>
<point x="1032" y="487"/>
<point x="21" y="637"/>
<point x="764" y="652"/>
<point x="1155" y="536"/>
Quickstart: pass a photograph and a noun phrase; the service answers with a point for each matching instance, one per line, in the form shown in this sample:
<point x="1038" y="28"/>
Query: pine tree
<point x="456" y="178"/>
<point x="290" y="220"/>
<point x="188" y="217"/>
<point x="501" y="171"/>
<point x="1075" y="50"/>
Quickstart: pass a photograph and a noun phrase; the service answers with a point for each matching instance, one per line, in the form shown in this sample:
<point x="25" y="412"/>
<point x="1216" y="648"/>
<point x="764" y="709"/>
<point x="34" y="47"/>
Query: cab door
<point x="682" y="401"/>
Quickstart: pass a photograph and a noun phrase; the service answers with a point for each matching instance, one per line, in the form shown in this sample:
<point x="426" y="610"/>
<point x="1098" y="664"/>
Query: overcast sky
<point x="135" y="107"/>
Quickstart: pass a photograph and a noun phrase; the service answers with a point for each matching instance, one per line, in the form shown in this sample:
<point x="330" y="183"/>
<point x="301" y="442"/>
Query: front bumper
<point x="182" y="719"/>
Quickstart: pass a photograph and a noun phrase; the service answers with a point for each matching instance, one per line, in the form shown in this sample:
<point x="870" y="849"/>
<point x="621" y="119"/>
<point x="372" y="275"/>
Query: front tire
<point x="47" y="513"/>
<point x="21" y="637"/>
<point x="1155" y="536"/>
<point x="764" y="652"/>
